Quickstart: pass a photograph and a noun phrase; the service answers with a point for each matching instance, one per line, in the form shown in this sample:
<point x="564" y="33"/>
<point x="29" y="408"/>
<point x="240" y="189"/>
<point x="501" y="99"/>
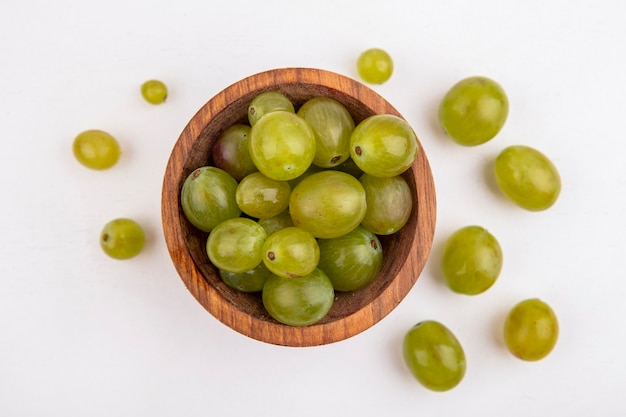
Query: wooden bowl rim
<point x="224" y="310"/>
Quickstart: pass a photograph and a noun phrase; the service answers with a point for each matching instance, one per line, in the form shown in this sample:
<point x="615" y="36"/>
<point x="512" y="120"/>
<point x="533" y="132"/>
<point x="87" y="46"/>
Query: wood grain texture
<point x="405" y="252"/>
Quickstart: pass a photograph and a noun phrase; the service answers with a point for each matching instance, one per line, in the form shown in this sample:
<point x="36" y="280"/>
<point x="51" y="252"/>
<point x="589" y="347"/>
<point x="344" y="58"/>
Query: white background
<point x="84" y="335"/>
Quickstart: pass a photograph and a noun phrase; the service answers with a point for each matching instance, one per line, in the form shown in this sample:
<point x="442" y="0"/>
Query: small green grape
<point x="298" y="301"/>
<point x="383" y="145"/>
<point x="531" y="330"/>
<point x="472" y="260"/>
<point x="230" y="151"/>
<point x="235" y="245"/>
<point x="351" y="261"/>
<point x="474" y="110"/>
<point x="154" y="91"/>
<point x="282" y="145"/>
<point x="248" y="281"/>
<point x="262" y="197"/>
<point x="434" y="356"/>
<point x="527" y="177"/>
<point x="122" y="238"/>
<point x="208" y="197"/>
<point x="96" y="149"/>
<point x="268" y="102"/>
<point x="291" y="252"/>
<point x="375" y="66"/>
<point x="328" y="203"/>
<point x="389" y="203"/>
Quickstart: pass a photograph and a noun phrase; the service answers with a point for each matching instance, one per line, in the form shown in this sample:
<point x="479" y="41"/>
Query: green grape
<point x="474" y="110"/>
<point x="261" y="197"/>
<point x="333" y="126"/>
<point x="275" y="223"/>
<point x="249" y="281"/>
<point x="122" y="238"/>
<point x="328" y="204"/>
<point x="389" y="203"/>
<point x="96" y="149"/>
<point x="434" y="356"/>
<point x="230" y="152"/>
<point x="531" y="330"/>
<point x="282" y="145"/>
<point x="349" y="167"/>
<point x="298" y="301"/>
<point x="154" y="91"/>
<point x="351" y="261"/>
<point x="236" y="245"/>
<point x="291" y="252"/>
<point x="268" y="102"/>
<point x="374" y="66"/>
<point x="208" y="197"/>
<point x="472" y="260"/>
<point x="527" y="177"/>
<point x="383" y="145"/>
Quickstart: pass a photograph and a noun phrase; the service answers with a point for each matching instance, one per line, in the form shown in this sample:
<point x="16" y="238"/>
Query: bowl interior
<point x="245" y="312"/>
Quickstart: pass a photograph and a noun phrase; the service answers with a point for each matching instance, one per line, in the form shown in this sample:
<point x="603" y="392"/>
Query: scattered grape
<point x="96" y="149"/>
<point x="434" y="356"/>
<point x="531" y="330"/>
<point x="473" y="111"/>
<point x="375" y="66"/>
<point x="154" y="91"/>
<point x="122" y="238"/>
<point x="472" y="260"/>
<point x="527" y="177"/>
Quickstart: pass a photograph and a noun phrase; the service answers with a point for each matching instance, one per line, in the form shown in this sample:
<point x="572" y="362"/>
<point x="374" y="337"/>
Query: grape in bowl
<point x="352" y="312"/>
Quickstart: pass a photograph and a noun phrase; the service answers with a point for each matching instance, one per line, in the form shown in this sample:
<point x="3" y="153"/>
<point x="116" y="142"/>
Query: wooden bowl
<point x="404" y="252"/>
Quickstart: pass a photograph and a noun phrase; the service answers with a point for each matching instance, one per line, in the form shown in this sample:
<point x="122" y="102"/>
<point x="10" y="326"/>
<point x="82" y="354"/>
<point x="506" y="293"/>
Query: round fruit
<point x="531" y="330"/>
<point x="291" y="252"/>
<point x="383" y="145"/>
<point x="333" y="125"/>
<point x="298" y="301"/>
<point x="527" y="177"/>
<point x="275" y="223"/>
<point x="96" y="149"/>
<point x="268" y="102"/>
<point x="236" y="245"/>
<point x="434" y="356"/>
<point x="328" y="204"/>
<point x="351" y="261"/>
<point x="282" y="145"/>
<point x="208" y="197"/>
<point x="262" y="197"/>
<point x="231" y="153"/>
<point x="154" y="91"/>
<point x="472" y="260"/>
<point x="389" y="203"/>
<point x="122" y="239"/>
<point x="374" y="66"/>
<point x="474" y="110"/>
<point x="249" y="281"/>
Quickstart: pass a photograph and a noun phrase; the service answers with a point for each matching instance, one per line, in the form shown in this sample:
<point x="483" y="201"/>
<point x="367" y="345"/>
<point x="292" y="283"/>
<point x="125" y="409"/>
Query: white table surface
<point x="84" y="335"/>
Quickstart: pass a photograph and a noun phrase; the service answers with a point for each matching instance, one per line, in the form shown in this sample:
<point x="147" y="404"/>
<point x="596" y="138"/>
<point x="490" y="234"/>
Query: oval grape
<point x="527" y="177"/>
<point x="531" y="330"/>
<point x="474" y="110"/>
<point x="236" y="245"/>
<point x="434" y="356"/>
<point x="122" y="238"/>
<point x="375" y="66"/>
<point x="96" y="149"/>
<point x="472" y="260"/>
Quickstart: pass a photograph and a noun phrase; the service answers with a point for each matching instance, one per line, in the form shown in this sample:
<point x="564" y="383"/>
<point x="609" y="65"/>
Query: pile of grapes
<point x="295" y="201"/>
